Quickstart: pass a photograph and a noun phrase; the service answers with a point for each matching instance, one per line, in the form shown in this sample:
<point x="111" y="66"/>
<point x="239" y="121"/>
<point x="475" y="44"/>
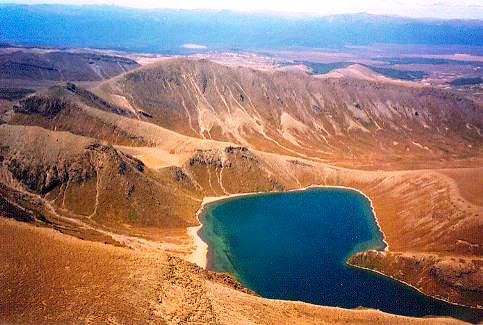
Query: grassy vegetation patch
<point x="467" y="81"/>
<point x="399" y="74"/>
<point x="322" y="68"/>
<point x="419" y="60"/>
<point x="132" y="215"/>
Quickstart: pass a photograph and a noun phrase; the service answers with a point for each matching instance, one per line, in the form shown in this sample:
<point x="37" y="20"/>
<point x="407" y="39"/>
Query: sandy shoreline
<point x="200" y="254"/>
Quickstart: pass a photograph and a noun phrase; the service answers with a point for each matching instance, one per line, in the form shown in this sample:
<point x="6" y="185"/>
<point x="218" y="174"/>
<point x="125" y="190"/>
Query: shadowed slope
<point x="43" y="65"/>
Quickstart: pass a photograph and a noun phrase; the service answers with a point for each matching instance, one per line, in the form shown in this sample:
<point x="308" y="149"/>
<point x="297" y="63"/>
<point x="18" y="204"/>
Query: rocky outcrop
<point x="42" y="178"/>
<point x="231" y="170"/>
<point x="86" y="179"/>
<point x="76" y="110"/>
<point x="460" y="274"/>
<point x="89" y="98"/>
<point x="16" y="205"/>
<point x="46" y="106"/>
<point x="455" y="279"/>
<point x="204" y="158"/>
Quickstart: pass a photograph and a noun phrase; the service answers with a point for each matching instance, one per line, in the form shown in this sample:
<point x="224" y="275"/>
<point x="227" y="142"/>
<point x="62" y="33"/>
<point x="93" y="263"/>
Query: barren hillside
<point x="342" y="120"/>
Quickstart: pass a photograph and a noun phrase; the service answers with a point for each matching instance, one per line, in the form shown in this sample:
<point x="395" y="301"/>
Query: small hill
<point x="358" y="71"/>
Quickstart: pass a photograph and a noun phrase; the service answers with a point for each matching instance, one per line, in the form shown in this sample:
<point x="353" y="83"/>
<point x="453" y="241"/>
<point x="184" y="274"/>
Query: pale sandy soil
<point x="200" y="250"/>
<point x="250" y="60"/>
<point x="155" y="158"/>
<point x="146" y="60"/>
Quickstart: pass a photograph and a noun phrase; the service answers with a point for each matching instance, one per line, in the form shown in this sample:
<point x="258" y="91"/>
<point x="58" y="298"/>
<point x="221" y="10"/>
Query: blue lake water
<point x="294" y="246"/>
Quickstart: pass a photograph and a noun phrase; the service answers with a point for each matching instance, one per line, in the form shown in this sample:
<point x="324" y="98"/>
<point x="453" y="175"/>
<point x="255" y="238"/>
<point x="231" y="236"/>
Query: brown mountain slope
<point x="90" y="181"/>
<point x="59" y="109"/>
<point x="332" y="119"/>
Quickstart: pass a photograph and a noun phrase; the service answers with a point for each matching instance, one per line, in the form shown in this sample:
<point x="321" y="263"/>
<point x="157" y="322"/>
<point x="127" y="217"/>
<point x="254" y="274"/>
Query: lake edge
<point x="211" y="202"/>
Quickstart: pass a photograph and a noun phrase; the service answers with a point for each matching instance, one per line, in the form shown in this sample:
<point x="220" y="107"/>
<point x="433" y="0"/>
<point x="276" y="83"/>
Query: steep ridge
<point x="60" y="109"/>
<point x="79" y="111"/>
<point x="338" y="120"/>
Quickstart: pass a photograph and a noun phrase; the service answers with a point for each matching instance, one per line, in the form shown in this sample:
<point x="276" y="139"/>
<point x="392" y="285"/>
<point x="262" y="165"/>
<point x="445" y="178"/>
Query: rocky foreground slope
<point x="67" y="280"/>
<point x="129" y="162"/>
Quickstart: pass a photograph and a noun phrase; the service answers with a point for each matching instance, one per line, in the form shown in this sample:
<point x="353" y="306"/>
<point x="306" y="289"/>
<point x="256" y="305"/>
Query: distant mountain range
<point x="172" y="31"/>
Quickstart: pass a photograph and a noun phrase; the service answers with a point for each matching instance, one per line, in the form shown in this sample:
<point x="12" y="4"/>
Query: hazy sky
<point x="413" y="8"/>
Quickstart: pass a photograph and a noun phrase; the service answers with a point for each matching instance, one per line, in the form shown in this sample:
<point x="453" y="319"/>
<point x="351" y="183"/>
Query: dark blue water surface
<point x="294" y="246"/>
